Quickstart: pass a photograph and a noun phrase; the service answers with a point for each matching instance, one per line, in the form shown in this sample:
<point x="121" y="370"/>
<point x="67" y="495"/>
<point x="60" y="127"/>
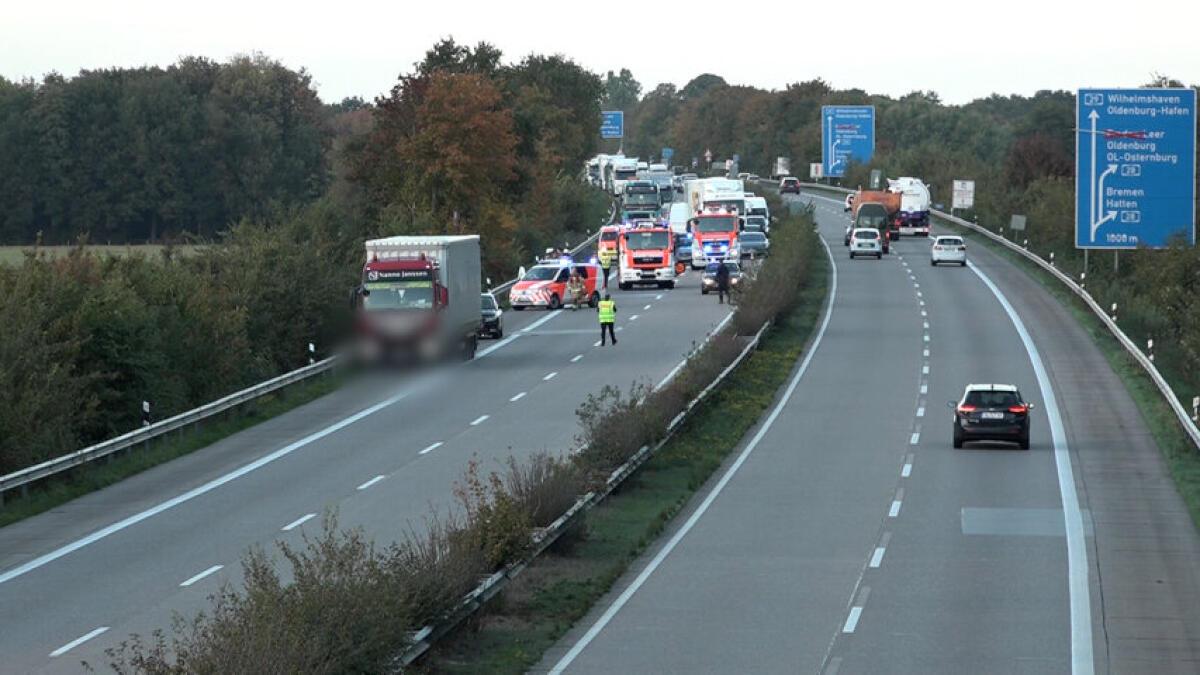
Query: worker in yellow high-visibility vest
<point x="607" y="256"/>
<point x="608" y="315"/>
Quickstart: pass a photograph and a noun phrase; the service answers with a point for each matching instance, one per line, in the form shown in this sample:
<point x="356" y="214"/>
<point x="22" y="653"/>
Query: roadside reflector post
<point x="1195" y="407"/>
<point x="1083" y="279"/>
<point x="1052" y="258"/>
<point x="1025" y="244"/>
<point x="312" y="353"/>
<point x="1114" y="312"/>
<point x="1150" y="348"/>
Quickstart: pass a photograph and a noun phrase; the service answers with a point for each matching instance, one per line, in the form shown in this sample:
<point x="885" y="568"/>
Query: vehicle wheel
<point x="703" y="291"/>
<point x="594" y="300"/>
<point x="932" y="262"/>
<point x="962" y="264"/>
<point x="671" y="285"/>
<point x="624" y="286"/>
<point x="879" y="256"/>
<point x="469" y="347"/>
<point x="852" y="255"/>
<point x="554" y="303"/>
<point x="500" y="332"/>
<point x="1024" y="442"/>
<point x="958" y="438"/>
<point x="519" y="308"/>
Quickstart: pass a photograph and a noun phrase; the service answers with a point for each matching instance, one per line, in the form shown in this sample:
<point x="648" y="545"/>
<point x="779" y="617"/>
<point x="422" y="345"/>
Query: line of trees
<point x="134" y="155"/>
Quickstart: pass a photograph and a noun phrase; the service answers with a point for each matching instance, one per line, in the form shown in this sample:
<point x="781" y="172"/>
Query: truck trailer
<point x="419" y="298"/>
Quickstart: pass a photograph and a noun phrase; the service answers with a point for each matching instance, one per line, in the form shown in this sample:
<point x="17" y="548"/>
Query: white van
<point x="757" y="206"/>
<point x="680" y="213"/>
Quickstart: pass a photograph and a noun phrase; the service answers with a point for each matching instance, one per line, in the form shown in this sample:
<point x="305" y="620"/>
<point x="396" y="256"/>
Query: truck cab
<point x="647" y="257"/>
<point x="714" y="236"/>
<point x="418" y="297"/>
<point x="640" y="196"/>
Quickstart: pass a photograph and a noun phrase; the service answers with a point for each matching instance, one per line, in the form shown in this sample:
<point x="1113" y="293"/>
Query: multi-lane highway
<point x="381" y="451"/>
<point x="846" y="535"/>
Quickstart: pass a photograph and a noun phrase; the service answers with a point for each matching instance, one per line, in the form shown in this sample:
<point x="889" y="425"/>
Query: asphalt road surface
<point x="846" y="535"/>
<point x="383" y="452"/>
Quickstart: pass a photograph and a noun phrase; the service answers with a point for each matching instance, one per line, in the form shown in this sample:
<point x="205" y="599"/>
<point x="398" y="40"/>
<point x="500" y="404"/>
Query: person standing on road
<point x="575" y="289"/>
<point x="608" y="315"/>
<point x="606" y="261"/>
<point x="722" y="282"/>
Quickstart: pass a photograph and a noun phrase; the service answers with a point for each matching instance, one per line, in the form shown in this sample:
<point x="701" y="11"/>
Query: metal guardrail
<point x="507" y="286"/>
<point x="425" y="638"/>
<point x="1164" y="388"/>
<point x="23" y="478"/>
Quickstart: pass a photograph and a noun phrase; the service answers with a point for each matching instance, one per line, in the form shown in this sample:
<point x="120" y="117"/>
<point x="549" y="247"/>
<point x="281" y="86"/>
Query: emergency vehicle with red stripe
<point x="545" y="284"/>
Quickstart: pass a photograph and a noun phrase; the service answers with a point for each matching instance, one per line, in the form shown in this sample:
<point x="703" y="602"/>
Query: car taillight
<point x="965" y="408"/>
<point x="1021" y="409"/>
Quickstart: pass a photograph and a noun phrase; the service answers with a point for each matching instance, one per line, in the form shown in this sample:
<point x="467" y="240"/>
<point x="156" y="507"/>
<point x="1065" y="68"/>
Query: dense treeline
<point x="1019" y="150"/>
<point x="130" y="155"/>
<point x="282" y="188"/>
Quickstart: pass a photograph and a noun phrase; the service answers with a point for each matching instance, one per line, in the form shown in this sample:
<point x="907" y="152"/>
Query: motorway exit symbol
<point x="612" y="124"/>
<point x="847" y="134"/>
<point x="1135" y="167"/>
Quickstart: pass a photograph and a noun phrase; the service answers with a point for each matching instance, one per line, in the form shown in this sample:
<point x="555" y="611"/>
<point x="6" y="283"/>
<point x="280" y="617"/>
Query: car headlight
<point x="709" y="281"/>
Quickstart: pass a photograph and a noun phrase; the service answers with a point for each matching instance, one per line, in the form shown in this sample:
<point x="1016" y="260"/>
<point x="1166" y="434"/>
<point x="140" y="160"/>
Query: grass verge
<point x="559" y="588"/>
<point x="101" y="474"/>
<point x="1183" y="461"/>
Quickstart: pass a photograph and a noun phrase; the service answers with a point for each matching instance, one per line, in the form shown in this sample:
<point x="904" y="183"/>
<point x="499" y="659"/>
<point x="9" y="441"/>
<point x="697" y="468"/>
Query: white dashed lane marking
<point x="371" y="482"/>
<point x="298" y="522"/>
<point x="431" y="448"/>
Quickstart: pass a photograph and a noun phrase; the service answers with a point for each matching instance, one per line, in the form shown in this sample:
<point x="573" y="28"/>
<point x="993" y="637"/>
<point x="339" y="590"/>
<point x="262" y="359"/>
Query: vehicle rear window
<point x="866" y="234"/>
<point x="992" y="399"/>
<point x="949" y="241"/>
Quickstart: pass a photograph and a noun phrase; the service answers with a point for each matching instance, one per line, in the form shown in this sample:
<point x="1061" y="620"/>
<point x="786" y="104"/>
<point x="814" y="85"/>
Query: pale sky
<point x="961" y="49"/>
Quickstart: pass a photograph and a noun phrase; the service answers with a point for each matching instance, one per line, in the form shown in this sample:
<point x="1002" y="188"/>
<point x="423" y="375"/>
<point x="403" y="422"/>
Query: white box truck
<point x="419" y="297"/>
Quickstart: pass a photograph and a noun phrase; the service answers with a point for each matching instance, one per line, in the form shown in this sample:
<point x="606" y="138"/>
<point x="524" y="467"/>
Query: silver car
<point x="865" y="241"/>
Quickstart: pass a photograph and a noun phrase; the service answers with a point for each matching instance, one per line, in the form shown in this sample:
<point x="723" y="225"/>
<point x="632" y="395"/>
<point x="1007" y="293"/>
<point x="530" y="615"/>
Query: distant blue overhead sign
<point x="612" y="124"/>
<point x="1135" y="167"/>
<point x="667" y="154"/>
<point x="847" y="134"/>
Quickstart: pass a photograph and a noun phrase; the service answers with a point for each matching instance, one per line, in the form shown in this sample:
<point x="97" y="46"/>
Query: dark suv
<point x="991" y="412"/>
<point x="789" y="184"/>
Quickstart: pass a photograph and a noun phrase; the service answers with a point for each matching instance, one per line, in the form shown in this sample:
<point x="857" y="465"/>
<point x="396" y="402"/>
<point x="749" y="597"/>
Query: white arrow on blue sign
<point x="1135" y="167"/>
<point x="847" y="134"/>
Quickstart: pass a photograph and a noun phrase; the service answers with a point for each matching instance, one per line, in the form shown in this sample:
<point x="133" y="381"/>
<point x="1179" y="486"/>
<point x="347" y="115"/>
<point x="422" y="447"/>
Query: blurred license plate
<point x="992" y="415"/>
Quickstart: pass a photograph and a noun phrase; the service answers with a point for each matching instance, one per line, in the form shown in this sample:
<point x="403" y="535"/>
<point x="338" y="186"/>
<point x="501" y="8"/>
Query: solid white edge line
<point x="198" y="577"/>
<point x="518" y="397"/>
<point x="479" y="420"/>
<point x="671" y="375"/>
<point x="215" y="483"/>
<point x="298" y="522"/>
<point x="77" y="641"/>
<point x="197" y="491"/>
<point x="852" y="620"/>
<point x="369" y="483"/>
<point x="430" y="448"/>
<point x="641" y="578"/>
<point x="539" y="322"/>
<point x="1082" y="660"/>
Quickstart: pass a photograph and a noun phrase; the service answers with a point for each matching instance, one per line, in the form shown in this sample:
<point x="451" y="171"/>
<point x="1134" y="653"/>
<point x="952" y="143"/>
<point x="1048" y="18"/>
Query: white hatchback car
<point x="948" y="249"/>
<point x="865" y="241"/>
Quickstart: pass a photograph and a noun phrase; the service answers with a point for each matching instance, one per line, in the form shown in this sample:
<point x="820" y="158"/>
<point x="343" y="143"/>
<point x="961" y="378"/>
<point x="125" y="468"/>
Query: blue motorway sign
<point x="612" y="124"/>
<point x="847" y="134"/>
<point x="667" y="154"/>
<point x="1135" y="167"/>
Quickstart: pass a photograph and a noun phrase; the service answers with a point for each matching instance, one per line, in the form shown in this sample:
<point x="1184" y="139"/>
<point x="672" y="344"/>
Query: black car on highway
<point x="991" y="412"/>
<point x="493" y="317"/>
